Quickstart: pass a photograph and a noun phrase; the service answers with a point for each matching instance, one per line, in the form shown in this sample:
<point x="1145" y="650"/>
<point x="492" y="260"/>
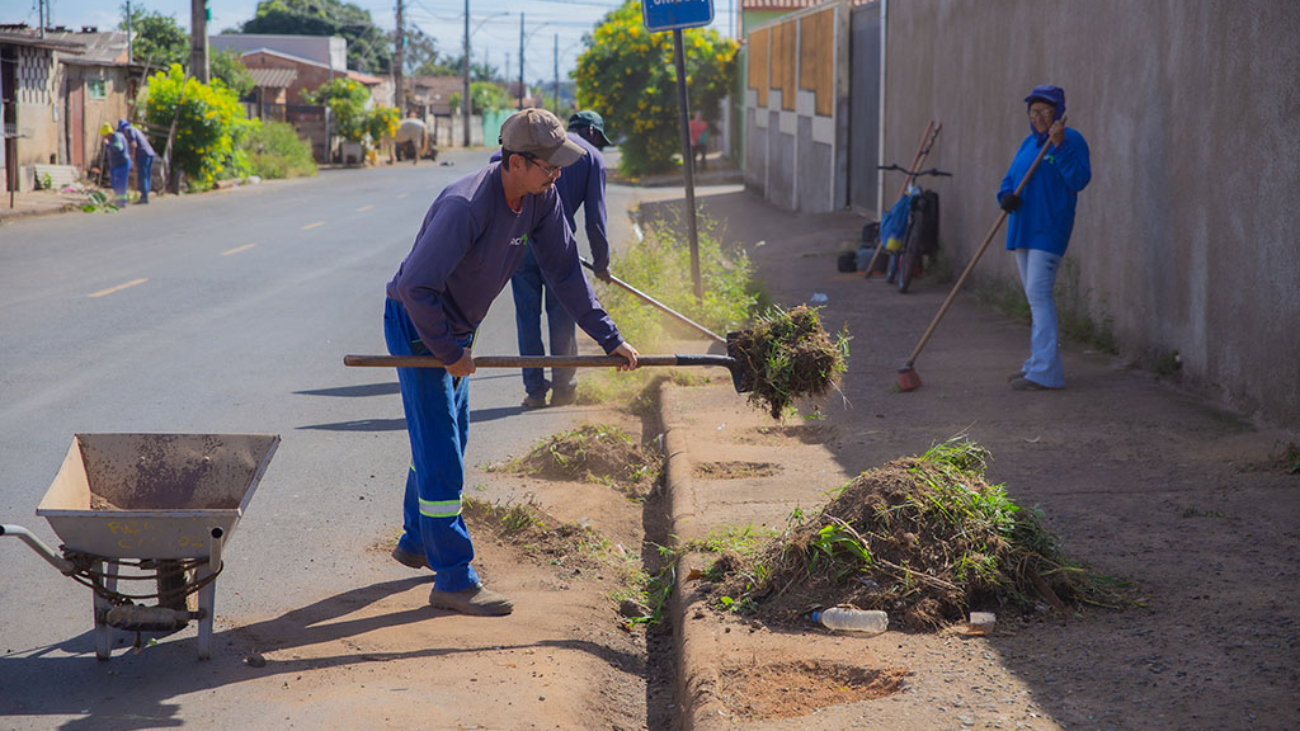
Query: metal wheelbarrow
<point x="149" y="508"/>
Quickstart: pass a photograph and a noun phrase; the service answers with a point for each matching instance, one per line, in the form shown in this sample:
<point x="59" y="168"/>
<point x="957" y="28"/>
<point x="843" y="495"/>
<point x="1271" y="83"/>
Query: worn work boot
<point x="534" y="402"/>
<point x="1024" y="384"/>
<point x="1014" y="376"/>
<point x="474" y="600"/>
<point x="406" y="558"/>
<point x="563" y="396"/>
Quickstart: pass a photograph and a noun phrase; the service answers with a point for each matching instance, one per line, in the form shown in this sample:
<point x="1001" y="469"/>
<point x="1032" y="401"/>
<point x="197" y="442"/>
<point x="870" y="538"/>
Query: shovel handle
<point x="656" y="303"/>
<point x="535" y="361"/>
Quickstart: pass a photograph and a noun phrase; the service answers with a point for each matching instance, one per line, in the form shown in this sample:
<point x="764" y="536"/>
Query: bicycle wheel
<point x="908" y="259"/>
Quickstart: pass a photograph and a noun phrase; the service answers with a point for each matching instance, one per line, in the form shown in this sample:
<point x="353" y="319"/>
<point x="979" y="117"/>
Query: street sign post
<point x="674" y="15"/>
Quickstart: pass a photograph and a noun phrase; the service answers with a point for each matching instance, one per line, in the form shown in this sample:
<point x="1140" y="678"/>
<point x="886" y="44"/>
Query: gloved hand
<point x="1010" y="202"/>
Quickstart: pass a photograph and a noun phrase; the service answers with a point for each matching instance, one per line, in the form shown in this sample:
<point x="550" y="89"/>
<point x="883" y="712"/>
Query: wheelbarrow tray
<point x="154" y="495"/>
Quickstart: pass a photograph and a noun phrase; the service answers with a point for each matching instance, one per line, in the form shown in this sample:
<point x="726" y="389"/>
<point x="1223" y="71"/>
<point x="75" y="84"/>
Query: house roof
<point x="274" y="77"/>
<point x="23" y="37"/>
<point x="100" y="49"/>
<point x="286" y="56"/>
<point x="788" y="4"/>
<point x="366" y="79"/>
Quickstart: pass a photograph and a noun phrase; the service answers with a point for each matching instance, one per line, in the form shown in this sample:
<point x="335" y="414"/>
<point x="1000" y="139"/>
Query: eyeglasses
<point x="552" y="171"/>
<point x="1042" y="113"/>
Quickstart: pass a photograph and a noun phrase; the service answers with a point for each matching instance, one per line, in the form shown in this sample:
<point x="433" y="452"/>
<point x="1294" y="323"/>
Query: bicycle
<point x="910" y="231"/>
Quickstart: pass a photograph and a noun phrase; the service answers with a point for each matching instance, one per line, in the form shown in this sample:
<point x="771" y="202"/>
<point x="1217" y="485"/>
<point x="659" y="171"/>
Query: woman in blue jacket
<point x="1039" y="226"/>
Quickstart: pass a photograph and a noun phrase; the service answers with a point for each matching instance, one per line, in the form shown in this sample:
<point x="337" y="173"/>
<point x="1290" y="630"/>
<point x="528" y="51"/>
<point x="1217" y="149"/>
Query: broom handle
<point x="922" y="152"/>
<point x="538" y="361"/>
<point x="971" y="266"/>
<point x="656" y="303"/>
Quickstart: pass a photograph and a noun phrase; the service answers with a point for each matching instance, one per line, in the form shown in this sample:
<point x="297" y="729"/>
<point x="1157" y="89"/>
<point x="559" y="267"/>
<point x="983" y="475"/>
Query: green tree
<point x="421" y="51"/>
<point x="487" y="97"/>
<point x="158" y="39"/>
<point x="227" y="67"/>
<point x="346" y="100"/>
<point x="477" y="71"/>
<point x="628" y="75"/>
<point x="368" y="46"/>
<point x="209" y="124"/>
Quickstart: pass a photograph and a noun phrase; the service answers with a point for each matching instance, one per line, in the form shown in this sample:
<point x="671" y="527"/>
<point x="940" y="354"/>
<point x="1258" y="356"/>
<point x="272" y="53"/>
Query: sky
<point x="494" y="23"/>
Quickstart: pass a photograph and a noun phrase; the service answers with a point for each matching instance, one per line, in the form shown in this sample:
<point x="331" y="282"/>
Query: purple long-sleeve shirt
<point x="468" y="247"/>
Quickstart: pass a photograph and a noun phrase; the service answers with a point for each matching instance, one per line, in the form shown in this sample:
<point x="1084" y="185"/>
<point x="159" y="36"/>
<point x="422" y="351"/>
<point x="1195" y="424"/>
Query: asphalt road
<point x="228" y="312"/>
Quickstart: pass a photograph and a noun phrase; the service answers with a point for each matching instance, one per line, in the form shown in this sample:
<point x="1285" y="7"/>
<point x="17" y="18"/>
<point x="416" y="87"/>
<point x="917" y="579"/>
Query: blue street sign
<point x="672" y="14"/>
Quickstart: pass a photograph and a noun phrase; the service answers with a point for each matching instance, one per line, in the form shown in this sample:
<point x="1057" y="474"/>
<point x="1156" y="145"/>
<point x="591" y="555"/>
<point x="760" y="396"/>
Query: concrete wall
<point x="1186" y="238"/>
<point x="797" y="109"/>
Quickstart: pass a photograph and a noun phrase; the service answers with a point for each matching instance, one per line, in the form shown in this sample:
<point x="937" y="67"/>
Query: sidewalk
<point x="38" y="203"/>
<point x="1138" y="478"/>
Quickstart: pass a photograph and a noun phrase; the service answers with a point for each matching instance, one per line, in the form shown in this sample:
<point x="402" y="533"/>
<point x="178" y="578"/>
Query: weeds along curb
<point x="697" y="678"/>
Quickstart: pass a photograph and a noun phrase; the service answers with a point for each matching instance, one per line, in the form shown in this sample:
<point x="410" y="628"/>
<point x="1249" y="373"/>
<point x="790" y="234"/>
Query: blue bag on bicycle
<point x="893" y="228"/>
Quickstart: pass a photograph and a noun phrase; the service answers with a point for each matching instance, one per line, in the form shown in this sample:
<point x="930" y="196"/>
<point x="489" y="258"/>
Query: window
<point x="96" y="88"/>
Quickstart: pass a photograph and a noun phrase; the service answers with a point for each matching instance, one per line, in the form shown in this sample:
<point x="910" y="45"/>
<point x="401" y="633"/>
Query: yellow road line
<point x="118" y="288"/>
<point x="311" y="226"/>
<point x="238" y="249"/>
<point x="364" y="208"/>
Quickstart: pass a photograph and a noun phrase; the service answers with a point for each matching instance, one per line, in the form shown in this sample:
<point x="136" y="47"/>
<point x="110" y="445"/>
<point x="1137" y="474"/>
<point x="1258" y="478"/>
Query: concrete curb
<point x="697" y="679"/>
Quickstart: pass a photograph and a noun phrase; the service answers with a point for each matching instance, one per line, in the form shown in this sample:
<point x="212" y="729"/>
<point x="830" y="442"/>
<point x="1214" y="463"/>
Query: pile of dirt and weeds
<point x="599" y="453"/>
<point x="540" y="536"/>
<point x="925" y="539"/>
<point x="788" y="355"/>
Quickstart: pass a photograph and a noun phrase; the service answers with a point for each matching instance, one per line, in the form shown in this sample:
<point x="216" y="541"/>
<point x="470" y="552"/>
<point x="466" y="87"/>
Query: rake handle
<point x="911" y="359"/>
<point x="656" y="303"/>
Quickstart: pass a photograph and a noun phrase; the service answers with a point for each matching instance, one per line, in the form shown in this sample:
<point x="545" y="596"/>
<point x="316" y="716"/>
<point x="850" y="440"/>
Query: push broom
<point x="908" y="379"/>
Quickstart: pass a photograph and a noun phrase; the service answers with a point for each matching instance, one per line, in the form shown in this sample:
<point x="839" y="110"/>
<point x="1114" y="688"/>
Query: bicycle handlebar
<point x="915" y="173"/>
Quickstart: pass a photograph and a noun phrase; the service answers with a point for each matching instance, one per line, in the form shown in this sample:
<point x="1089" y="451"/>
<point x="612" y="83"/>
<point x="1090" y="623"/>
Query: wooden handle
<point x="911" y="360"/>
<point x="507" y="361"/>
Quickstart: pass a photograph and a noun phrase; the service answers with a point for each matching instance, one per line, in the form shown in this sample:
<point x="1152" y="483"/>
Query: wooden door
<point x="77" y="122"/>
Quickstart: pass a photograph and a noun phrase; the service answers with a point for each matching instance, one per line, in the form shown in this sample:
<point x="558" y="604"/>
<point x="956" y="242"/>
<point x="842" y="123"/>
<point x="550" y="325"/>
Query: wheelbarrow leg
<point x="103" y="632"/>
<point x="208" y="595"/>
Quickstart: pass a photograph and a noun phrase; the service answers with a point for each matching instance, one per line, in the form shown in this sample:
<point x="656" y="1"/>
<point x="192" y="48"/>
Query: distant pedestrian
<point x="1039" y="226"/>
<point x="143" y="154"/>
<point x="469" y="245"/>
<point x="699" y="134"/>
<point x="119" y="162"/>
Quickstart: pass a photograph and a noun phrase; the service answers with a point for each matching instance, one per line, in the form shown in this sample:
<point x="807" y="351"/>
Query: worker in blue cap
<point x="1039" y="224"/>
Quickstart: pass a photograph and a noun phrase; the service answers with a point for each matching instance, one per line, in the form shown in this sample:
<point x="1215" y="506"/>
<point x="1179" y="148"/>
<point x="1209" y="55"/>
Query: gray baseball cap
<point x="539" y="133"/>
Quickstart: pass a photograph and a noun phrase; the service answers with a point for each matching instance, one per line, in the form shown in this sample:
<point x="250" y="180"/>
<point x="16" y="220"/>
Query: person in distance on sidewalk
<point x="1039" y="225"/>
<point x="470" y="243"/>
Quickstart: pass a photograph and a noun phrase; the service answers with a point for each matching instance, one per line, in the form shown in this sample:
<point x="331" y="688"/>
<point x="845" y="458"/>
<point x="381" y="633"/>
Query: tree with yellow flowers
<point x="628" y="76"/>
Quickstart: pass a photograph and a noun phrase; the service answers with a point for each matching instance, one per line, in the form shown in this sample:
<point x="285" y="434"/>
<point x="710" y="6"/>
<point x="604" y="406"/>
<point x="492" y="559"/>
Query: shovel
<point x="656" y="303"/>
<point x="741" y="376"/>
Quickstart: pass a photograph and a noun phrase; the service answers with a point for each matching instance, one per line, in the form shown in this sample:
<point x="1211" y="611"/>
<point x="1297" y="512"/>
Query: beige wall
<point x="1187" y="237"/>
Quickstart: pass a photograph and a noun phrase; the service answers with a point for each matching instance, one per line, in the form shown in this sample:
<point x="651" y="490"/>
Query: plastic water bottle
<point x="872" y="621"/>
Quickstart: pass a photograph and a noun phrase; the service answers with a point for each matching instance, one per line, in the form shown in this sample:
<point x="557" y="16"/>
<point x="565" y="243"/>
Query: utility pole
<point x="199" y="67"/>
<point x="40" y="13"/>
<point x="465" y="97"/>
<point x="399" y="93"/>
<point x="521" y="61"/>
<point x="130" y="48"/>
<point x="557" y="74"/>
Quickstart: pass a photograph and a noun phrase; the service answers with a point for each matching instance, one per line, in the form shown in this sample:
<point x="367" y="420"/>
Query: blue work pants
<point x="1038" y="275"/>
<point x="529" y="288"/>
<point x="144" y="175"/>
<point x="437" y="421"/>
<point x="120" y="177"/>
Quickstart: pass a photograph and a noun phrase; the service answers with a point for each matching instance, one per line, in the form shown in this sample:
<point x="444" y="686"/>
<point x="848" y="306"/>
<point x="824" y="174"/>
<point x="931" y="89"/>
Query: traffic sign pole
<point x="675" y="15"/>
<point x="688" y="162"/>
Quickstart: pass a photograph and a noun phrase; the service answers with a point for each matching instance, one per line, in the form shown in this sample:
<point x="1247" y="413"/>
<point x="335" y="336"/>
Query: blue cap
<point x="1053" y="95"/>
<point x="588" y="118"/>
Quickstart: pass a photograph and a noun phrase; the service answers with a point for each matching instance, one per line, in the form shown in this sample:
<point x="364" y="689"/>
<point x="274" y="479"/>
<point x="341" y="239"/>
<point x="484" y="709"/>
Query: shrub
<point x="275" y="151"/>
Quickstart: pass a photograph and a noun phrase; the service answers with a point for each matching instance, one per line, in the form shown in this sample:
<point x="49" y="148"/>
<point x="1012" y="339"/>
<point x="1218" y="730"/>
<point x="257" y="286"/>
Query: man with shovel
<point x="471" y="242"/>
